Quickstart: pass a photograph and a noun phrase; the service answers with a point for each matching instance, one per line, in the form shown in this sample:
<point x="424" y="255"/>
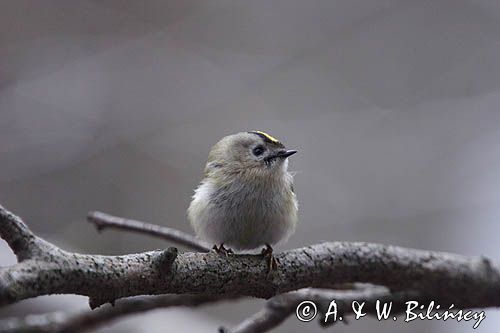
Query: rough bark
<point x="45" y="269"/>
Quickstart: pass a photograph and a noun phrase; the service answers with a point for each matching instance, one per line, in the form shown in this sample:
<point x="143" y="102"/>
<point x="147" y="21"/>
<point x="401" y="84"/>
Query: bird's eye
<point x="259" y="150"/>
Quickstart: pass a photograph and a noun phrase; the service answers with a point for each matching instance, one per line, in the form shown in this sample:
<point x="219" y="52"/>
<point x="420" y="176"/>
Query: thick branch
<point x="20" y="238"/>
<point x="103" y="221"/>
<point x="467" y="282"/>
<point x="75" y="323"/>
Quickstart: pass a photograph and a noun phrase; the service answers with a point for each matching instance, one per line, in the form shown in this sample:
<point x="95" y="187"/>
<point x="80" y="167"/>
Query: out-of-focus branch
<point x="60" y="322"/>
<point x="45" y="269"/>
<point x="103" y="221"/>
<point x="280" y="307"/>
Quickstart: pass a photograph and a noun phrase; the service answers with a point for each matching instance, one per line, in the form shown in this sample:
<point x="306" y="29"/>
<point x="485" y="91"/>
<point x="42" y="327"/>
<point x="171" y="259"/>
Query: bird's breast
<point x="244" y="214"/>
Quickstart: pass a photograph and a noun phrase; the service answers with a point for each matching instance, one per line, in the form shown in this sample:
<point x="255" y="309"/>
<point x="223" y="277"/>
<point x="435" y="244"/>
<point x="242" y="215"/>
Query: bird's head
<point x="253" y="151"/>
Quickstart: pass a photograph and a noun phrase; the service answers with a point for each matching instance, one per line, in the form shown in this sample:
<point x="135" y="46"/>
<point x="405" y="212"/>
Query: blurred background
<point x="113" y="106"/>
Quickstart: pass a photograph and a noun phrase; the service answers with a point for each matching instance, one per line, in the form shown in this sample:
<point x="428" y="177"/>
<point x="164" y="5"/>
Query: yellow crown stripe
<point x="269" y="137"/>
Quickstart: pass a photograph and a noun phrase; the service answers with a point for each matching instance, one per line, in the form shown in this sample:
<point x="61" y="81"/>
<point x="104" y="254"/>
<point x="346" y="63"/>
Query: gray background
<point x="393" y="105"/>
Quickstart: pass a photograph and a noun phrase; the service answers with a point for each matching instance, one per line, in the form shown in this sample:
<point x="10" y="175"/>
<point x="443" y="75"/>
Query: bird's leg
<point x="267" y="253"/>
<point x="222" y="250"/>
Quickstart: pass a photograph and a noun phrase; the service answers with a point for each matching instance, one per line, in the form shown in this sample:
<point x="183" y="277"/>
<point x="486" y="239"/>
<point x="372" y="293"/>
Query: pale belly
<point x="244" y="220"/>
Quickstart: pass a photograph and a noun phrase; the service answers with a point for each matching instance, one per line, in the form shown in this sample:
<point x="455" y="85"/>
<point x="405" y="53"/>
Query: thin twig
<point x="60" y="322"/>
<point x="103" y="221"/>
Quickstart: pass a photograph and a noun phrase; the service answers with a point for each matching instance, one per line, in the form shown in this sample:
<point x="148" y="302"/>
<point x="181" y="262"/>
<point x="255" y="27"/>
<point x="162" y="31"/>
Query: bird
<point x="246" y="199"/>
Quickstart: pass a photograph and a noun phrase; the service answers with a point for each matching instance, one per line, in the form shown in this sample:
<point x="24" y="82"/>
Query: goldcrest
<point x="247" y="198"/>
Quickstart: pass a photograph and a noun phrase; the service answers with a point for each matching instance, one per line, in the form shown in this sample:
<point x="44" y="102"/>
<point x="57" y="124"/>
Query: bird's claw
<point x="267" y="253"/>
<point x="222" y="250"/>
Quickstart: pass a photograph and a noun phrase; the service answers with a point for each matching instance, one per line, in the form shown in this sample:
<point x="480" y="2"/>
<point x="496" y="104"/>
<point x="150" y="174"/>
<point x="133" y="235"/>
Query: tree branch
<point x="60" y="322"/>
<point x="45" y="269"/>
<point x="103" y="221"/>
<point x="279" y="308"/>
<point x="20" y="238"/>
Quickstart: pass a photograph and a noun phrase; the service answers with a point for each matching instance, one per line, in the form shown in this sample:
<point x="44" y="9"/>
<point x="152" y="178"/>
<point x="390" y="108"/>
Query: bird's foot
<point x="222" y="250"/>
<point x="267" y="253"/>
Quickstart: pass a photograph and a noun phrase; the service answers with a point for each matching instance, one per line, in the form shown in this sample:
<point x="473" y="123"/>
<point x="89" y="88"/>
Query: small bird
<point x="246" y="199"/>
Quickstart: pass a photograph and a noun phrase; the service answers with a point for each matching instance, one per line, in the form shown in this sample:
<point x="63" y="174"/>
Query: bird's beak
<point x="285" y="153"/>
<point x="282" y="154"/>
